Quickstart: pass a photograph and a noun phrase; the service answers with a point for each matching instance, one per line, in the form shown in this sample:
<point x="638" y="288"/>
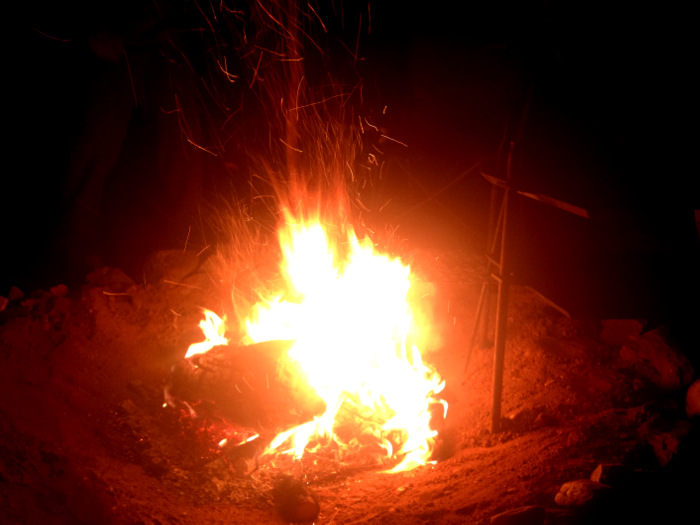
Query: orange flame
<point x="353" y="325"/>
<point x="347" y="309"/>
<point x="213" y="328"/>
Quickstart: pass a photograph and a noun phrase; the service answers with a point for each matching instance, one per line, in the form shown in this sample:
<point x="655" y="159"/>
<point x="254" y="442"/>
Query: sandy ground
<point x="84" y="436"/>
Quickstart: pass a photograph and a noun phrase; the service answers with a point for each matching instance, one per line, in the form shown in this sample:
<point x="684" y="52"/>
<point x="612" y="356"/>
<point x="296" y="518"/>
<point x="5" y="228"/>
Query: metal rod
<point x="500" y="351"/>
<point x="482" y="316"/>
<point x="501" y="307"/>
<point x="505" y="280"/>
<point x="477" y="321"/>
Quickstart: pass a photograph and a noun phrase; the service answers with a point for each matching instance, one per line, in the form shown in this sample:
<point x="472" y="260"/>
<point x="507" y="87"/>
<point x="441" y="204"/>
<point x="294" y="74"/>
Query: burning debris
<point x="332" y="361"/>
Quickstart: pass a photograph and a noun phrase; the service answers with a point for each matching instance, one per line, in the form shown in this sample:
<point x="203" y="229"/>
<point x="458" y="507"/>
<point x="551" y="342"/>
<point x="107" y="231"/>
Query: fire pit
<point x="84" y="376"/>
<point x="289" y="355"/>
<point x="346" y="358"/>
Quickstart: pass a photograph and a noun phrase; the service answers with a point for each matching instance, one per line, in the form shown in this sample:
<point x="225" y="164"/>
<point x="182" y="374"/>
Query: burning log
<point x="257" y="385"/>
<point x="335" y="370"/>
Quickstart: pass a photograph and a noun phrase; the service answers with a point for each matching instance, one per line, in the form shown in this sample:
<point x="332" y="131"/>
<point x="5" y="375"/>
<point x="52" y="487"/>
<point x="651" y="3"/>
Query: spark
<point x="387" y="137"/>
<point x="198" y="146"/>
<point x="167" y="281"/>
<point x="281" y="55"/>
<point x="291" y="147"/>
<point x="224" y="69"/>
<point x="273" y="18"/>
<point x="357" y="42"/>
<point x="227" y="9"/>
<point x="185" y="129"/>
<point x="192" y="411"/>
<point x="385" y="205"/>
<point x="131" y="77"/>
<point x="52" y="37"/>
<point x="255" y="72"/>
<point x="187" y="240"/>
<point x="318" y="102"/>
<point x="211" y="27"/>
<point x="318" y="17"/>
<point x="375" y="148"/>
<point x="369" y="19"/>
<point x="247" y="383"/>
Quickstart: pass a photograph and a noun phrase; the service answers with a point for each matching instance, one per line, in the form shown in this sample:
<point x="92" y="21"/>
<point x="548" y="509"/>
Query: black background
<point x="609" y="126"/>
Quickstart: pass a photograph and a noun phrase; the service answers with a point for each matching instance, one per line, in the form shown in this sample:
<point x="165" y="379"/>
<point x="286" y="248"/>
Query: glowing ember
<point x="347" y="309"/>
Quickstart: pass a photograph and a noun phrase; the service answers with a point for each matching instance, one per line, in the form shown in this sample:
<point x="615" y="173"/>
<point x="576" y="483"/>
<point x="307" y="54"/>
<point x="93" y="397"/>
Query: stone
<point x="170" y="266"/>
<point x="529" y="515"/>
<point x="653" y="359"/>
<point x="692" y="400"/>
<point x="580" y="492"/>
<point x="295" y="501"/>
<point x="113" y="278"/>
<point x="617" y="331"/>
<point x="666" y="445"/>
<point x="60" y="290"/>
<point x="15" y="294"/>
<point x="612" y="474"/>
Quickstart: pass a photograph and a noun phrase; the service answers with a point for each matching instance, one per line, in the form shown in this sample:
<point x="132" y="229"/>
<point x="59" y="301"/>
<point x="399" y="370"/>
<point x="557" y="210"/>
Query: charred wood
<point x="257" y="386"/>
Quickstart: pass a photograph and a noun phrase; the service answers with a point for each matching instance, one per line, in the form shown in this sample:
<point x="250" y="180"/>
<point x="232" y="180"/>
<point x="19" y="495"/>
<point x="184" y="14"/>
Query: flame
<point x="347" y="309"/>
<point x="213" y="328"/>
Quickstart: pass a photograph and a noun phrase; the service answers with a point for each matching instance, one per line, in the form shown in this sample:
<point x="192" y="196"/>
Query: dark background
<point x="598" y="98"/>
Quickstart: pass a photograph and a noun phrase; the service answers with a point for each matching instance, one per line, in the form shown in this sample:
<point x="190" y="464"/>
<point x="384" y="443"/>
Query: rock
<point x="295" y="502"/>
<point x="112" y="278"/>
<point x="15" y="294"/>
<point x="617" y="331"/>
<point x="170" y="265"/>
<point x="612" y="474"/>
<point x="666" y="445"/>
<point x="692" y="400"/>
<point x="546" y="419"/>
<point x="4" y="301"/>
<point x="60" y="290"/>
<point x="580" y="492"/>
<point x="652" y="358"/>
<point x="530" y="515"/>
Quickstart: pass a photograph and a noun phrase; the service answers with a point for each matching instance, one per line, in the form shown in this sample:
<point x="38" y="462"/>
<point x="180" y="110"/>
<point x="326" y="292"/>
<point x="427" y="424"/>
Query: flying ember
<point x="347" y="309"/>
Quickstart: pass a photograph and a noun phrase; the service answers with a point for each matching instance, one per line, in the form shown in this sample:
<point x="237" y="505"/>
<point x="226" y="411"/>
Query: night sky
<point x="599" y="100"/>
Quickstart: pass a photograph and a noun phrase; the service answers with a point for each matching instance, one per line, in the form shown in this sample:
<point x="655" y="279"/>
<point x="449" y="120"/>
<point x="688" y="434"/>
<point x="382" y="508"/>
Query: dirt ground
<point x="85" y="438"/>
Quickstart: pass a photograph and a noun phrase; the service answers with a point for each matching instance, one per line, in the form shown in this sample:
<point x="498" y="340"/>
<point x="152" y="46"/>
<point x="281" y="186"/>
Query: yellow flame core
<point x="213" y="328"/>
<point x="347" y="309"/>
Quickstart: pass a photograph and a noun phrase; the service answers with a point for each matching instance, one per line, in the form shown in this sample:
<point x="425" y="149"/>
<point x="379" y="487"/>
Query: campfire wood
<point x="257" y="386"/>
